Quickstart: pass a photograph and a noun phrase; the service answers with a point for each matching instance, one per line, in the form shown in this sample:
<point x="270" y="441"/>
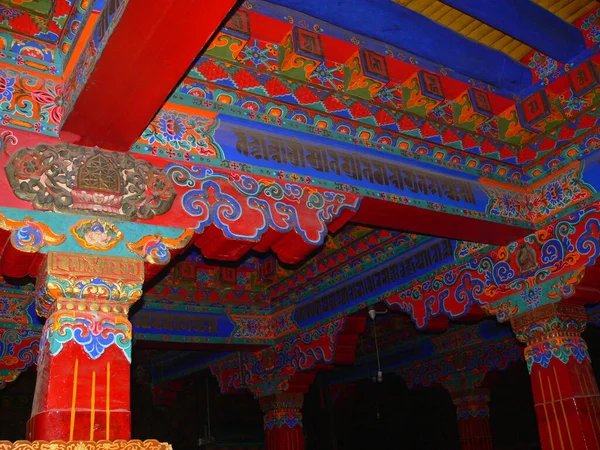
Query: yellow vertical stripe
<point x="74" y="399"/>
<point x="108" y="402"/>
<point x="93" y="406"/>
<point x="541" y="383"/>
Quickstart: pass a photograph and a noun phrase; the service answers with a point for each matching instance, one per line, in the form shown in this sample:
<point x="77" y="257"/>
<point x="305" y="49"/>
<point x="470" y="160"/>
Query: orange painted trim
<point x="83" y="40"/>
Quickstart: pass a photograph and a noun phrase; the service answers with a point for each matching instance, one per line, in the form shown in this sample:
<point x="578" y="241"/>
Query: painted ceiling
<point x="448" y="89"/>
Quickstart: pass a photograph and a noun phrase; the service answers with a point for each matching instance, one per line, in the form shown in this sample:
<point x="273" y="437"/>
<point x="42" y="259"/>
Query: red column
<point x="283" y="421"/>
<point x="82" y="388"/>
<point x="473" y="416"/>
<point x="565" y="392"/>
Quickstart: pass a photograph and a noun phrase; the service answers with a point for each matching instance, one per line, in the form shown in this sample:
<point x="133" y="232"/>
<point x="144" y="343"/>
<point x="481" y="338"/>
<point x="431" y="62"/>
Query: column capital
<point x="280" y="402"/>
<point x="552" y="331"/>
<point x="554" y="320"/>
<point x="88" y="283"/>
<point x="282" y="410"/>
<point x="471" y="403"/>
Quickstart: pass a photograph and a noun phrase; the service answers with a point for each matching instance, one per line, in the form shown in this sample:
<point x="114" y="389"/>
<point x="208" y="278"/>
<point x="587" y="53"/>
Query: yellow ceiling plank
<point x="501" y="43"/>
<point x="479" y="32"/>
<point x="583" y="11"/>
<point x="545" y="3"/>
<point x="520" y="52"/>
<point x="510" y="48"/>
<point x="470" y="27"/>
<point x="431" y="9"/>
<point x="441" y="11"/>
<point x="490" y="38"/>
<point x="419" y="6"/>
<point x="568" y="9"/>
<point x="557" y="6"/>
<point x="461" y="23"/>
<point x="450" y="18"/>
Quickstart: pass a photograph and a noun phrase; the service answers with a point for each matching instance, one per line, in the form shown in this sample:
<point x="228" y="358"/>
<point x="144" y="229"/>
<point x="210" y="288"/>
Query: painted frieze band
<point x="380" y="280"/>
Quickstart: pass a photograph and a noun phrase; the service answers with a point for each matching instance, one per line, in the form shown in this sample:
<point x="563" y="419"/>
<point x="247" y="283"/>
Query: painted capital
<point x="88" y="283"/>
<point x="472" y="403"/>
<point x="282" y="410"/>
<point x="86" y="299"/>
<point x="552" y="331"/>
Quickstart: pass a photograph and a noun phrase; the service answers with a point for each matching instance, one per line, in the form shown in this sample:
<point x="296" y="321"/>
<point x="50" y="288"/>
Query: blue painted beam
<point x="405" y="29"/>
<point x="527" y="22"/>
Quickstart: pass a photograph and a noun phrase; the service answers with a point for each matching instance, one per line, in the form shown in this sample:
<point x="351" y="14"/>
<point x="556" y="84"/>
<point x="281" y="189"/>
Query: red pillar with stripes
<point x="473" y="417"/>
<point x="82" y="387"/>
<point x="565" y="392"/>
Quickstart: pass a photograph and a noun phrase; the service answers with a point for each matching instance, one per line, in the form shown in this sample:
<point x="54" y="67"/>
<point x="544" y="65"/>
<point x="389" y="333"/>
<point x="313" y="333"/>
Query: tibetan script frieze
<point x="388" y="277"/>
<point x="328" y="160"/>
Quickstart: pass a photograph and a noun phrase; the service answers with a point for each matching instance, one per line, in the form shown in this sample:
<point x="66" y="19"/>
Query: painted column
<point x="473" y="418"/>
<point x="283" y="421"/>
<point x="565" y="392"/>
<point x="82" y="388"/>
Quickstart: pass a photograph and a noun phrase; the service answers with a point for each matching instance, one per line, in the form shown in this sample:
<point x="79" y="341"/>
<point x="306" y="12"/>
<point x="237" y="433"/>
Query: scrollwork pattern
<point x="234" y="201"/>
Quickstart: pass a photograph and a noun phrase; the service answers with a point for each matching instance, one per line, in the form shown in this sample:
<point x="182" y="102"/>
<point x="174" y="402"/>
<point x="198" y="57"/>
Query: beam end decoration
<point x="72" y="179"/>
<point x="156" y="249"/>
<point x="30" y="236"/>
<point x="243" y="207"/>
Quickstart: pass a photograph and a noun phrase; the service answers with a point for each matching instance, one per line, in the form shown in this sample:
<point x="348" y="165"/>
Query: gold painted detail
<point x="85" y="445"/>
<point x="71" y="281"/>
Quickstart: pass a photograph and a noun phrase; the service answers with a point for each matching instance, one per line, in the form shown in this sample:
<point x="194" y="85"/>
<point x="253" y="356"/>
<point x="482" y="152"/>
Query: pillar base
<point x="150" y="444"/>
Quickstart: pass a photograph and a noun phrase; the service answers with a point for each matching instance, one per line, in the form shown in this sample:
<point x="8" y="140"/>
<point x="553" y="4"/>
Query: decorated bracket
<point x="290" y="219"/>
<point x="511" y="279"/>
<point x="288" y="363"/>
<point x="26" y="237"/>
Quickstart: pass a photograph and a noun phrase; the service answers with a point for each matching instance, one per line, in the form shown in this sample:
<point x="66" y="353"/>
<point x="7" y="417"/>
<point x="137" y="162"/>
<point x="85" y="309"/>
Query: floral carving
<point x="96" y="234"/>
<point x="68" y="178"/>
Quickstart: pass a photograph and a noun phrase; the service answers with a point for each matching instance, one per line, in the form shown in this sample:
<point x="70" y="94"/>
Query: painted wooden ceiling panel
<point x="568" y="10"/>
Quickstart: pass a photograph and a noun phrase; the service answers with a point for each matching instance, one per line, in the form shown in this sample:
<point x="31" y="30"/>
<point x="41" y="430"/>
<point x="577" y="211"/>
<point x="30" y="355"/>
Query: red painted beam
<point x="378" y="213"/>
<point x="150" y="50"/>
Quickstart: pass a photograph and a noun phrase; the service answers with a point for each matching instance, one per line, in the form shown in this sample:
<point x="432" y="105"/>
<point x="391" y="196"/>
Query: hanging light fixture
<point x="373" y="315"/>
